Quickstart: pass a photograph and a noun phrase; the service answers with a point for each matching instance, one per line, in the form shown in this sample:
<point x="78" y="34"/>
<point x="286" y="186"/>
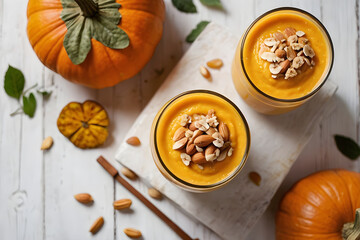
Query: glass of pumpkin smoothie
<point x="200" y="140"/>
<point x="282" y="60"/>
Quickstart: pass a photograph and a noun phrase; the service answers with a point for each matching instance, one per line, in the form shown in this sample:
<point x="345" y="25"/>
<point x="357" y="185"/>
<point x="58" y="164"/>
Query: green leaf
<point x="186" y="6"/>
<point x="196" y="31"/>
<point x="347" y="146"/>
<point x="109" y="34"/>
<point x="212" y="3"/>
<point x="103" y="27"/>
<point x="14" y="82"/>
<point x="44" y="92"/>
<point x="77" y="41"/>
<point x="29" y="105"/>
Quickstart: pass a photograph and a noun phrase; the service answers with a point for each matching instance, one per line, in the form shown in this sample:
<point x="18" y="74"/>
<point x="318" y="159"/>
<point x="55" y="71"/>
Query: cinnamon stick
<point x="114" y="173"/>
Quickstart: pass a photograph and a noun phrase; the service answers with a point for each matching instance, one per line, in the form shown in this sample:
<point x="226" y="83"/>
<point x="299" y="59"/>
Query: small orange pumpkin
<point x="84" y="124"/>
<point x="141" y="20"/>
<point x="321" y="206"/>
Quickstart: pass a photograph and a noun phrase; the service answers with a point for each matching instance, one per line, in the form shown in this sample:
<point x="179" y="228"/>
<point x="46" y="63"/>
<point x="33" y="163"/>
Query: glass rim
<point x="245" y="155"/>
<point x="327" y="36"/>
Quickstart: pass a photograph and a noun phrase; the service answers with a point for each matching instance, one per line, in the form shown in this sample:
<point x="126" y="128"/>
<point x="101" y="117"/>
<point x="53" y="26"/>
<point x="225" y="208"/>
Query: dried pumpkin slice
<point x="84" y="124"/>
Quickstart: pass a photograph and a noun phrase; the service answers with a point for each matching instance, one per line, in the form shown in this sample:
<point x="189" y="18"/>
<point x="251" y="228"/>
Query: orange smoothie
<point x="253" y="74"/>
<point x="193" y="105"/>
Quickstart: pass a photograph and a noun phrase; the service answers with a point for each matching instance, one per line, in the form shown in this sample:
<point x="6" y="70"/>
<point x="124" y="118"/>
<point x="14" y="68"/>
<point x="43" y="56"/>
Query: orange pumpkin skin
<point x="318" y="206"/>
<point x="142" y="20"/>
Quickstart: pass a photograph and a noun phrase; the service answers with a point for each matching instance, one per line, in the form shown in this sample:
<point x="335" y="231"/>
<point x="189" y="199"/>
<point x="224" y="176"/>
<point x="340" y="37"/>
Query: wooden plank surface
<point x="36" y="189"/>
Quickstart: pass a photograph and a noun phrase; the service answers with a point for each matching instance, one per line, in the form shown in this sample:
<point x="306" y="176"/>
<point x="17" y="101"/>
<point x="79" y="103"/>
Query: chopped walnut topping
<point x="289" y="32"/>
<point x="307" y="61"/>
<point x="297" y="46"/>
<point x="211" y="119"/>
<point x="185" y="119"/>
<point x="230" y="152"/>
<point x="202" y="125"/>
<point x="219" y="141"/>
<point x="279" y="36"/>
<point x="287" y="52"/>
<point x="297" y="62"/>
<point x="300" y="33"/>
<point x="205" y="139"/>
<point x="199" y="149"/>
<point x="275" y="47"/>
<point x="290" y="53"/>
<point x="291" y="72"/>
<point x="292" y="39"/>
<point x="269" y="56"/>
<point x="186" y="159"/>
<point x="263" y="48"/>
<point x="302" y="40"/>
<point x="275" y="68"/>
<point x="189" y="133"/>
<point x="270" y="42"/>
<point x="308" y="51"/>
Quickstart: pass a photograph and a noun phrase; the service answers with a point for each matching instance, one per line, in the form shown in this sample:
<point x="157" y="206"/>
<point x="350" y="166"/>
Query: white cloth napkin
<point x="276" y="143"/>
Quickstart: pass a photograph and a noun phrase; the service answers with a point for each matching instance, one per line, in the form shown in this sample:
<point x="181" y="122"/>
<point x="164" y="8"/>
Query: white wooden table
<point x="37" y="188"/>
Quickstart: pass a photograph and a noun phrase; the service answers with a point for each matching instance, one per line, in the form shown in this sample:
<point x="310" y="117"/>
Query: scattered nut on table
<point x="134" y="141"/>
<point x="85" y="198"/>
<point x="97" y="225"/>
<point x="132" y="232"/>
<point x="128" y="173"/>
<point x="47" y="143"/>
<point x="122" y="204"/>
<point x="154" y="193"/>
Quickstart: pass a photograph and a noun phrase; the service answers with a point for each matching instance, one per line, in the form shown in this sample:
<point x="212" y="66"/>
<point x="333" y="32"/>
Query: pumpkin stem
<point x="88" y="7"/>
<point x="351" y="231"/>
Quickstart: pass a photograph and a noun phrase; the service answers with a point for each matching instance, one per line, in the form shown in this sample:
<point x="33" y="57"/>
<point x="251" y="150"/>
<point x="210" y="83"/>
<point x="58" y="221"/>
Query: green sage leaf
<point x="44" y="92"/>
<point x="103" y="27"/>
<point x="109" y="34"/>
<point x="347" y="146"/>
<point x="29" y="105"/>
<point x="186" y="6"/>
<point x="14" y="82"/>
<point x="196" y="31"/>
<point x="212" y="3"/>
<point x="77" y="41"/>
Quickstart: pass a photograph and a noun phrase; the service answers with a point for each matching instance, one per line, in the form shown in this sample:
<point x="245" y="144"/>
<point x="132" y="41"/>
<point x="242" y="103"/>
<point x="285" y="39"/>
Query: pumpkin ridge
<point x="298" y="195"/>
<point x="296" y="191"/>
<point x="46" y="35"/>
<point x="62" y="49"/>
<point x="308" y="235"/>
<point x="42" y="10"/>
<point x="345" y="186"/>
<point x="328" y="197"/>
<point x="54" y="25"/>
<point x="53" y="49"/>
<point x="142" y="11"/>
<point x="110" y="59"/>
<point x="94" y="135"/>
<point x="334" y="191"/>
<point x="125" y="5"/>
<point x="144" y="19"/>
<point x="305" y="227"/>
<point x="71" y="135"/>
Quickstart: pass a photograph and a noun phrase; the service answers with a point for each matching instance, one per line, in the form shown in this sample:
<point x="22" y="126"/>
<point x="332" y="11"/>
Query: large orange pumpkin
<point x="141" y="20"/>
<point x="321" y="206"/>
